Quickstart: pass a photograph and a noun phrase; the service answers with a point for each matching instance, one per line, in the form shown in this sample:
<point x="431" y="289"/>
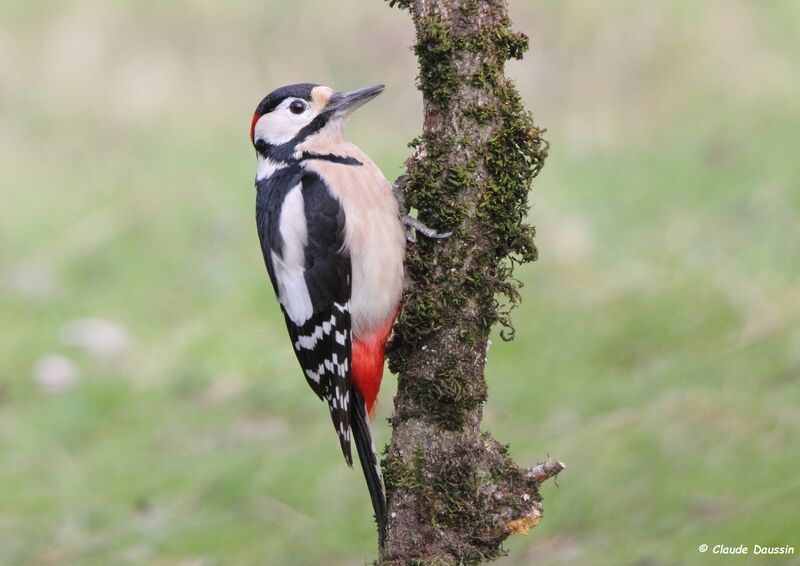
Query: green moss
<point x="511" y="157"/>
<point x="445" y="397"/>
<point x="486" y="78"/>
<point x="481" y="113"/>
<point x="470" y="558"/>
<point x="450" y="493"/>
<point x="397" y="475"/>
<point x="402" y="4"/>
<point x="435" y="52"/>
<point x="446" y="486"/>
<point x="476" y="43"/>
<point x="469" y="8"/>
<point x="510" y="44"/>
<point x="435" y="190"/>
<point x="476" y="557"/>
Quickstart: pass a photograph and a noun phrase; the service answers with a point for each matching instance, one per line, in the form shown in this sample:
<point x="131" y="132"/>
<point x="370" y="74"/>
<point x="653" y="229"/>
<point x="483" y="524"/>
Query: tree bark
<point x="453" y="492"/>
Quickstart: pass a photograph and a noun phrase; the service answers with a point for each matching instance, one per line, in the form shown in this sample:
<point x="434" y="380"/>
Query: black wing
<point x="322" y="342"/>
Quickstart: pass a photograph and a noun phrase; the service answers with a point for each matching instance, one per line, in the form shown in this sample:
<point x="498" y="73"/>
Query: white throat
<point x="267" y="167"/>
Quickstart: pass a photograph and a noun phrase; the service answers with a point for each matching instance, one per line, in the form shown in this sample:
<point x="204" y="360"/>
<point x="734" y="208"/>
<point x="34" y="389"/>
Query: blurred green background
<point x="151" y="410"/>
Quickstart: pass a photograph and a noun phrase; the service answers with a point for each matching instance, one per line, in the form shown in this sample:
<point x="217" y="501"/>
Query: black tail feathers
<point x="362" y="433"/>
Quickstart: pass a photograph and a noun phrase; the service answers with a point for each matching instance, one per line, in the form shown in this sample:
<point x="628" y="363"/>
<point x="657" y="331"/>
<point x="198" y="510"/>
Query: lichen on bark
<point x="452" y="490"/>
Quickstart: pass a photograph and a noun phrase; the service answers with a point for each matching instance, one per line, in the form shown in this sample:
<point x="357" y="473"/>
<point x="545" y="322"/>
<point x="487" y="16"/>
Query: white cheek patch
<point x="280" y="125"/>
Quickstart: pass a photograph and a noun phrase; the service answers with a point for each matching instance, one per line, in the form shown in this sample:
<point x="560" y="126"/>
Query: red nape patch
<point x="256" y="116"/>
<point x="368" y="355"/>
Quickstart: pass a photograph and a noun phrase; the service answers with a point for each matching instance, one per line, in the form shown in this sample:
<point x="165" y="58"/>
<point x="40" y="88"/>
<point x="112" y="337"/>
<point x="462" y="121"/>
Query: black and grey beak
<point x="342" y="103"/>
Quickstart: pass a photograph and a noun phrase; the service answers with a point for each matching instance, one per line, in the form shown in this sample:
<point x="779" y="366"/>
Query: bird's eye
<point x="297" y="107"/>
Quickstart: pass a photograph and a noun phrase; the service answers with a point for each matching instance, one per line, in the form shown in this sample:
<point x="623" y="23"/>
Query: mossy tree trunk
<point x="453" y="492"/>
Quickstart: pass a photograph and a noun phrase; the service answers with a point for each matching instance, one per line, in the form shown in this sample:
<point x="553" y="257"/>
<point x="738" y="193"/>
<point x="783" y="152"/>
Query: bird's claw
<point x="414" y="224"/>
<point x="400" y="182"/>
<point x="400" y="197"/>
<point x="410" y="222"/>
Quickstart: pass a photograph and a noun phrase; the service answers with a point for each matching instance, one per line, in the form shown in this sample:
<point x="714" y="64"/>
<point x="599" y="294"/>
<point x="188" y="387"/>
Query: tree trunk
<point x="454" y="494"/>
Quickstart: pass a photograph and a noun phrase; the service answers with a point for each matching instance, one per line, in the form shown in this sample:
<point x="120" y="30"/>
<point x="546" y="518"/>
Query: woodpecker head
<point x="291" y="114"/>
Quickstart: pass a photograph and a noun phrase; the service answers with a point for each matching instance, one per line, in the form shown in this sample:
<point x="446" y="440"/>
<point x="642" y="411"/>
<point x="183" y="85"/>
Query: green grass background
<point x="658" y="345"/>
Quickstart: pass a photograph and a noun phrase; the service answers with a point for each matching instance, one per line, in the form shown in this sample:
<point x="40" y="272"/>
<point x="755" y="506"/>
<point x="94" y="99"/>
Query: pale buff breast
<point x="374" y="234"/>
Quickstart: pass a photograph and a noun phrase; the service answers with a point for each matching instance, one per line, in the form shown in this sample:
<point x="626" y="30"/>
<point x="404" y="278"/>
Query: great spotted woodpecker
<point x="333" y="242"/>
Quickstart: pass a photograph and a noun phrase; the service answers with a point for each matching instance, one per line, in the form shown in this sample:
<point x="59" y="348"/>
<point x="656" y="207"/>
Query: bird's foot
<point x="397" y="188"/>
<point x="410" y="222"/>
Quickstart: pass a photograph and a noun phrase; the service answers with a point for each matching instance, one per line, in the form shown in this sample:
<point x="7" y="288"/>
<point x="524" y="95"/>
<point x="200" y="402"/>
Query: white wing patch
<point x="289" y="267"/>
